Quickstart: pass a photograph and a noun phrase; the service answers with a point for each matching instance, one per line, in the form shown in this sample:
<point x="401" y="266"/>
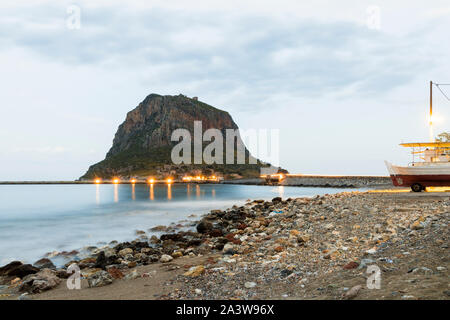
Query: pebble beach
<point x="297" y="248"/>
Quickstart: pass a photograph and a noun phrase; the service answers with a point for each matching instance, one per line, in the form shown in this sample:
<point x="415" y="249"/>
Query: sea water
<point x="37" y="219"/>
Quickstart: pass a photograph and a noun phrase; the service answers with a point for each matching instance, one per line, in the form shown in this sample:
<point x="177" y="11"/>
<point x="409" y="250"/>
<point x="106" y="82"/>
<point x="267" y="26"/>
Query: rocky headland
<point x="142" y="144"/>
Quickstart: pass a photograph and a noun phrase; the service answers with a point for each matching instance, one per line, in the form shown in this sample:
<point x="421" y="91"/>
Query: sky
<point x="344" y="81"/>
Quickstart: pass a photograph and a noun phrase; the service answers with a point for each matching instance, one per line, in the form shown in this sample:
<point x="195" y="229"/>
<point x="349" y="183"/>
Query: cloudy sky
<point x="344" y="81"/>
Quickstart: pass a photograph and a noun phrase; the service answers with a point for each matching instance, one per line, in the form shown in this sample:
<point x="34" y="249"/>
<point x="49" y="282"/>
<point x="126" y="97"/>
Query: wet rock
<point x="204" y="226"/>
<point x="215" y="233"/>
<point x="99" y="279"/>
<point x="173" y="237"/>
<point x="277" y="199"/>
<point x="22" y="271"/>
<point x="62" y="274"/>
<point x="126" y="251"/>
<point x="45" y="279"/>
<point x="44" y="263"/>
<point x="159" y="228"/>
<point x="10" y="266"/>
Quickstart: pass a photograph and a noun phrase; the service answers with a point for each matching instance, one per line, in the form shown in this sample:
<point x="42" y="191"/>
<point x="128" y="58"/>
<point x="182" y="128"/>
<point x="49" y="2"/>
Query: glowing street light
<point x="98" y="180"/>
<point x="169" y="180"/>
<point x="151" y="180"/>
<point x="116" y="180"/>
<point x="133" y="180"/>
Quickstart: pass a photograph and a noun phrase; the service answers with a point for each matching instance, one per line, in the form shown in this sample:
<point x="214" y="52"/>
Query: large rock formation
<point x="142" y="144"/>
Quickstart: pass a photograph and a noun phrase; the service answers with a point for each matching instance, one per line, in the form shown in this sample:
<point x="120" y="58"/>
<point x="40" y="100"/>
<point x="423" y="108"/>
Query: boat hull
<point x="426" y="176"/>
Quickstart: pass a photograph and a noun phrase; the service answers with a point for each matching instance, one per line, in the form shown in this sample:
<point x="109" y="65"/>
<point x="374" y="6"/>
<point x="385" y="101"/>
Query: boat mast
<point x="431" y="112"/>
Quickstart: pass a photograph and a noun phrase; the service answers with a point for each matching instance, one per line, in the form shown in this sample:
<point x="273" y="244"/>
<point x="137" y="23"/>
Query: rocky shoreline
<point x="304" y="248"/>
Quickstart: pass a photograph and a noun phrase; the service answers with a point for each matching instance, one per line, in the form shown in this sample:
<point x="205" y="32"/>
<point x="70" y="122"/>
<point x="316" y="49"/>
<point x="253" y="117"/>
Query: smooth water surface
<point x="36" y="219"/>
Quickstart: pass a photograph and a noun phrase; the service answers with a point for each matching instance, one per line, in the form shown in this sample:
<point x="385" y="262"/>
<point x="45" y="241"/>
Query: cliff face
<point x="142" y="143"/>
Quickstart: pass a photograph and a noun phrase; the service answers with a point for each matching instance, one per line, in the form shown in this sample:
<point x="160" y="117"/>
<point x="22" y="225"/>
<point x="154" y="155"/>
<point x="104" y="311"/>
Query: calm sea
<point x="36" y="219"/>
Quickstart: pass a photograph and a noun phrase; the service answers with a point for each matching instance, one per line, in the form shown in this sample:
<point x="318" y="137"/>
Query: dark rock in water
<point x="172" y="236"/>
<point x="43" y="280"/>
<point x="194" y="242"/>
<point x="204" y="226"/>
<point x="277" y="199"/>
<point x="44" y="263"/>
<point x="101" y="261"/>
<point x="216" y="233"/>
<point x="21" y="270"/>
<point x="10" y="266"/>
<point x="61" y="273"/>
<point x="105" y="259"/>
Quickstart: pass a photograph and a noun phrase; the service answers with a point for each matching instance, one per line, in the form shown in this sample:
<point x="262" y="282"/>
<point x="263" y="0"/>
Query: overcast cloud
<point x="319" y="64"/>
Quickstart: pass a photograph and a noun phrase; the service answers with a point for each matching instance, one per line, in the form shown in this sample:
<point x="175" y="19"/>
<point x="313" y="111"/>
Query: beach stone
<point x="177" y="254"/>
<point x="198" y="291"/>
<point x="45" y="279"/>
<point x="62" y="273"/>
<point x="165" y="258"/>
<point x="99" y="279"/>
<point x="228" y="247"/>
<point x="10" y="266"/>
<point x="204" y="226"/>
<point x="417" y="225"/>
<point x="422" y="270"/>
<point x="114" y="272"/>
<point x="353" y="292"/>
<point x="24" y="296"/>
<point x="250" y="285"/>
<point x="44" y="263"/>
<point x="159" y="228"/>
<point x="132" y="275"/>
<point x="351" y="265"/>
<point x="195" y="271"/>
<point x="14" y="282"/>
<point x="126" y="251"/>
<point x="22" y="270"/>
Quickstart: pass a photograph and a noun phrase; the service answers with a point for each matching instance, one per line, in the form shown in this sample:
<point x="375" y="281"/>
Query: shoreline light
<point x="151" y="180"/>
<point x="133" y="180"/>
<point x="116" y="180"/>
<point x="169" y="180"/>
<point x="98" y="180"/>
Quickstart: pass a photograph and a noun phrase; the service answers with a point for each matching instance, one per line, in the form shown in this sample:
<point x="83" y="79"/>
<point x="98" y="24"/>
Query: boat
<point x="432" y="169"/>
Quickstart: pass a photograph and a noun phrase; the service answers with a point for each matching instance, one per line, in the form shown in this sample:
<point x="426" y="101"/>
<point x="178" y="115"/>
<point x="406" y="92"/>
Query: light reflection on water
<point x="35" y="219"/>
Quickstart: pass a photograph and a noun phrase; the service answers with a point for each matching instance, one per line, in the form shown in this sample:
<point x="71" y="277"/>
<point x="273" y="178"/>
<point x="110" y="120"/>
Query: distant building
<point x="195" y="98"/>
